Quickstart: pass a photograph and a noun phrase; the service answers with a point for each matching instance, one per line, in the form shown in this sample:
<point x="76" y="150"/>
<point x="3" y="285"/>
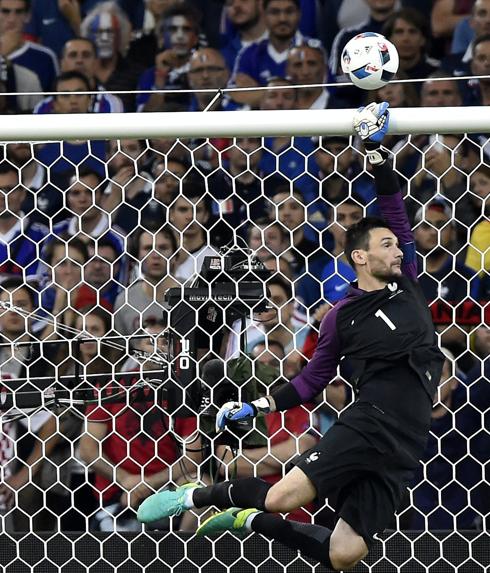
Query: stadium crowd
<point x="93" y="233"/>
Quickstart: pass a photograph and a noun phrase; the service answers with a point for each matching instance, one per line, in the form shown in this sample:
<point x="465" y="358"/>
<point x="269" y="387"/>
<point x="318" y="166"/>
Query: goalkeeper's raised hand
<point x="371" y="124"/>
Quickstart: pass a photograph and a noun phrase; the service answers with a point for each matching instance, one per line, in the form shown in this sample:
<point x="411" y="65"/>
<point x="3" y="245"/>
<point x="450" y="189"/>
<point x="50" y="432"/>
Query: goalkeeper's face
<point x="383" y="257"/>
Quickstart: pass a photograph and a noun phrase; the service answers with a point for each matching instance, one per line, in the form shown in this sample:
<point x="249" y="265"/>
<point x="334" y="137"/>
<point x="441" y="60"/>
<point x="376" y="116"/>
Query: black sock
<point x="247" y="492"/>
<point x="311" y="540"/>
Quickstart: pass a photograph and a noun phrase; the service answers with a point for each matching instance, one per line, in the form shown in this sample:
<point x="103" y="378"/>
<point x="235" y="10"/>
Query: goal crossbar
<point x="54" y="127"/>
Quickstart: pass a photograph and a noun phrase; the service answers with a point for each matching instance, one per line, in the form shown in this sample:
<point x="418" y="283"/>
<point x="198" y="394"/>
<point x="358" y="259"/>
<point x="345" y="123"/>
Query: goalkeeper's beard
<point x="387" y="276"/>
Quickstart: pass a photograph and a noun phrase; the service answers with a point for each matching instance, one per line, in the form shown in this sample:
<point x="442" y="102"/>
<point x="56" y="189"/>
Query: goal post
<point x="239" y="124"/>
<point x="112" y="263"/>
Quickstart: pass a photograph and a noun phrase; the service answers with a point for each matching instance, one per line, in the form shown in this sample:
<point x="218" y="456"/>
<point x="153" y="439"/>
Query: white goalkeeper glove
<point x="234" y="411"/>
<point x="371" y="124"/>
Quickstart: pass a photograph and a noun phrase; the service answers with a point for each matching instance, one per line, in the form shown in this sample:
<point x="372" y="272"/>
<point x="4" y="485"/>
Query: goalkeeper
<point x="364" y="462"/>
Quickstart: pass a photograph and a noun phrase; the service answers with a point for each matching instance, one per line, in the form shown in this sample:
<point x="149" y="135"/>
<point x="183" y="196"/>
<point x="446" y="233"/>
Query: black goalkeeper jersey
<point x="387" y="334"/>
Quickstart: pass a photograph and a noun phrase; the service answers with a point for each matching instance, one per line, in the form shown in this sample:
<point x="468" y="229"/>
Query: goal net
<point x="135" y="256"/>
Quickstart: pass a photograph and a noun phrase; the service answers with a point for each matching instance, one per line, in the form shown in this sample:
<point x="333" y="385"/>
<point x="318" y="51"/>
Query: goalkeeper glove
<point x="371" y="124"/>
<point x="234" y="411"/>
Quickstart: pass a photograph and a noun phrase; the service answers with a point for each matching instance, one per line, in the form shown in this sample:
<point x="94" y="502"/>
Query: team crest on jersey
<point x="313" y="457"/>
<point x="393" y="286"/>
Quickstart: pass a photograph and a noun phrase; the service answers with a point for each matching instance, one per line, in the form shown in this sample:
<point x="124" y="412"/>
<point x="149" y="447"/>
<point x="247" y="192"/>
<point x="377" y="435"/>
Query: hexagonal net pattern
<point x="146" y="282"/>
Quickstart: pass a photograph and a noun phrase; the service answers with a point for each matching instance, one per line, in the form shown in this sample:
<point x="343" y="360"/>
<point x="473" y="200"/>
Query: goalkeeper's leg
<point x="339" y="550"/>
<point x="293" y="491"/>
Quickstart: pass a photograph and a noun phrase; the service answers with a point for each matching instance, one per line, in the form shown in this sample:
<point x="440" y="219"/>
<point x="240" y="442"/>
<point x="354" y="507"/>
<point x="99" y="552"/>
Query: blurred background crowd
<point x="92" y="234"/>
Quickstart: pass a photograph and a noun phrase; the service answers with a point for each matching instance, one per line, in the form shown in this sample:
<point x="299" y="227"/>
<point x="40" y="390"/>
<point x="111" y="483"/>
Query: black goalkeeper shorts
<point x="363" y="465"/>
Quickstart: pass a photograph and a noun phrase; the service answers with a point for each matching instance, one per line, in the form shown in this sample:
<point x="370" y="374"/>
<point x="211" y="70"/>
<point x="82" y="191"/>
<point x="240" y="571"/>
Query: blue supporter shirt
<point x="231" y="45"/>
<point x="48" y="26"/>
<point x="336" y="277"/>
<point x="62" y="157"/>
<point x="40" y="60"/>
<point x="19" y="248"/>
<point x="102" y="103"/>
<point x="261" y="61"/>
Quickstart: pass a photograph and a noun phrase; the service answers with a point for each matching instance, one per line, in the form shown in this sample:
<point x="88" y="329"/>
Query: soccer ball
<point x="370" y="60"/>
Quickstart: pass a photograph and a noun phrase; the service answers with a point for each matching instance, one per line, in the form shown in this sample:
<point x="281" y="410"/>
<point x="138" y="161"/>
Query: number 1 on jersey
<point x="380" y="314"/>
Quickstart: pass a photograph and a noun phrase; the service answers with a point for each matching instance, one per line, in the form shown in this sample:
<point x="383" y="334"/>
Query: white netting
<point x="93" y="235"/>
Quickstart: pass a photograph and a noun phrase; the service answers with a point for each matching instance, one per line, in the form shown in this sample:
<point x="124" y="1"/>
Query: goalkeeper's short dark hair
<point x="357" y="236"/>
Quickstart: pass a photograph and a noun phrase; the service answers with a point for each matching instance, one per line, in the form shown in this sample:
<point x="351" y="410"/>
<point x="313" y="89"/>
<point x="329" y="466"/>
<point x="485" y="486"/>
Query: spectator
<point x="458" y="63"/>
<point x="61" y="295"/>
<point x="478" y="255"/>
<point x="68" y="100"/>
<point x="109" y="29"/>
<point x="44" y="199"/>
<point x="338" y="273"/>
<point x="99" y="286"/>
<point x="286" y="160"/>
<point x="155" y="13"/>
<point x="268" y="238"/>
<point x="80" y="54"/>
<point x="434" y="93"/>
<point x="337" y="165"/>
<point x="63" y="156"/>
<point x="259" y="62"/>
<point x="399" y="94"/>
<point x="307" y="65"/>
<point x="289" y="208"/>
<point x="247" y="26"/>
<point x="269" y="352"/>
<point x="474" y="205"/>
<point x="53" y="23"/>
<point x="410" y="33"/>
<point x="167" y="174"/>
<point x="18" y="80"/>
<point x="277" y="324"/>
<point x="237" y="191"/>
<point x="445" y="282"/>
<point x="479" y="374"/>
<point x="26" y="367"/>
<point x="446" y="160"/>
<point x="453" y="461"/>
<point x="89" y="219"/>
<point x="20" y="237"/>
<point x="440" y="93"/>
<point x="304" y="255"/>
<point x="208" y="71"/>
<point x="278" y="98"/>
<point x="189" y="215"/>
<point x="180" y="36"/>
<point x="335" y="15"/>
<point x="479" y="92"/>
<point x="130" y="187"/>
<point x="446" y="15"/>
<point x="134" y="454"/>
<point x="39" y="59"/>
<point x="143" y="299"/>
<point x="278" y="265"/>
<point x="22" y="361"/>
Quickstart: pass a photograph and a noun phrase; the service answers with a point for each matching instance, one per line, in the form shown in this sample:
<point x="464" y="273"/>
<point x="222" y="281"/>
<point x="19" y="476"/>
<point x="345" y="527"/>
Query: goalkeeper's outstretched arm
<point x="321" y="369"/>
<point x="371" y="124"/>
